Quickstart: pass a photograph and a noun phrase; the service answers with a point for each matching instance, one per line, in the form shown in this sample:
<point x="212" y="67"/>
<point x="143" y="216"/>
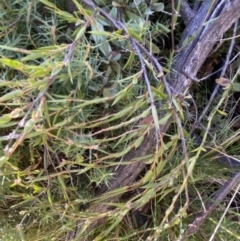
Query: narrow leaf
<point x="11" y="95"/>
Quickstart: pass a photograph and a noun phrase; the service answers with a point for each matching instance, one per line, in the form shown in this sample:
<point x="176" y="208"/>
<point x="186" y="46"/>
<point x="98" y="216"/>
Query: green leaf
<point x="139" y="104"/>
<point x="130" y="60"/>
<point x="164" y="28"/>
<point x="155" y="116"/>
<point x="115" y="4"/>
<point x="178" y="107"/>
<point x="100" y="33"/>
<point x="236" y="87"/>
<point x="12" y="63"/>
<point x="56" y="70"/>
<point x="122" y="153"/>
<point x="160" y="94"/>
<point x="3" y="160"/>
<point x="165" y="119"/>
<point x="106" y="92"/>
<point x="33" y="56"/>
<point x="51" y="48"/>
<point x="148" y="11"/>
<point x="222" y="112"/>
<point x="134" y="17"/>
<point x="135" y="80"/>
<point x="29" y="125"/>
<point x="5" y="119"/>
<point x="157" y="7"/>
<point x="118" y="32"/>
<point x="86" y="13"/>
<point x="15" y="49"/>
<point x="97" y="27"/>
<point x="105" y="48"/>
<point x="152" y="47"/>
<point x="122" y="93"/>
<point x="39" y="72"/>
<point x="147" y="177"/>
<point x="49" y="4"/>
<point x="134" y="35"/>
<point x="12" y="95"/>
<point x="138" y="141"/>
<point x="145" y="113"/>
<point x="81" y="32"/>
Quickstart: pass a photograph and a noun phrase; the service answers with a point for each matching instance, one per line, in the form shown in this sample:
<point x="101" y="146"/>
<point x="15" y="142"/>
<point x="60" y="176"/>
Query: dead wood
<point x="218" y="197"/>
<point x="189" y="59"/>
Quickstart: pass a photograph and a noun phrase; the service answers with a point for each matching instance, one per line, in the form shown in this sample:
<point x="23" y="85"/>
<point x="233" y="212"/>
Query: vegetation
<point x="75" y="101"/>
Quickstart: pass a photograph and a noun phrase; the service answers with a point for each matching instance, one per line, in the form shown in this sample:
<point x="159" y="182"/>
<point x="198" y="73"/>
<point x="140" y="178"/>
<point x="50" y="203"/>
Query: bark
<point x="186" y="12"/>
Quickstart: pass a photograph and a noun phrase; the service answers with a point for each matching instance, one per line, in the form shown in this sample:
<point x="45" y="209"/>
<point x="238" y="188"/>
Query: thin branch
<point x="74" y="43"/>
<point x="159" y="71"/>
<point x="10" y="149"/>
<point x="228" y="186"/>
<point x="225" y="211"/>
<point x="219" y="196"/>
<point x="222" y="74"/>
<point x="118" y="25"/>
<point x="137" y="47"/>
<point x="183" y="141"/>
<point x="173" y="26"/>
<point x="126" y="175"/>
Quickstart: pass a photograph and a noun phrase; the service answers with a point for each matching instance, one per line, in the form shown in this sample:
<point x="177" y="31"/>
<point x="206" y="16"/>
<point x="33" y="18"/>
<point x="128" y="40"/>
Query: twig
<point x="228" y="186"/>
<point x="74" y="43"/>
<point x="173" y="25"/>
<point x="67" y="58"/>
<point x="117" y="25"/>
<point x="126" y="175"/>
<point x="224" y="214"/>
<point x="137" y="48"/>
<point x="222" y="73"/>
<point x="10" y="149"/>
<point x="183" y="141"/>
<point x="219" y="196"/>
